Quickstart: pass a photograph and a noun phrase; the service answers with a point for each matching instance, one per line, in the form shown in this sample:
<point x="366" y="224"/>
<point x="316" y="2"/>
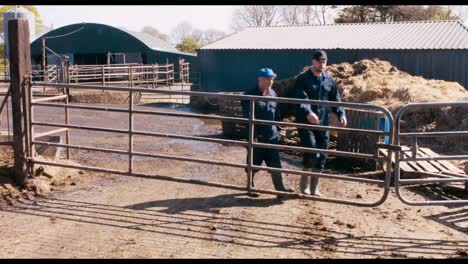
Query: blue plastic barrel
<point x="384" y="125"/>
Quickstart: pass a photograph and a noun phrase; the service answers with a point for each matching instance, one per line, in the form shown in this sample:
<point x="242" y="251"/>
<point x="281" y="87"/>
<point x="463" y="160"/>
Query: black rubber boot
<point x="278" y="183"/>
<point x="253" y="194"/>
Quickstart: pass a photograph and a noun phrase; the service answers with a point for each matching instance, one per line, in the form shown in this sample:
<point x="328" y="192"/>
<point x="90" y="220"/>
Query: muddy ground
<point x="103" y="215"/>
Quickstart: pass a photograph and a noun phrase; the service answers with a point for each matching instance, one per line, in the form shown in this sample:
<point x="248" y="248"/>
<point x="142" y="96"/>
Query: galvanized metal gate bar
<point x="250" y="144"/>
<point x="414" y="135"/>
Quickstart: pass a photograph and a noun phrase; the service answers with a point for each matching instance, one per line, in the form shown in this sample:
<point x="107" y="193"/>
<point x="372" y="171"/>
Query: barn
<point x="431" y="49"/>
<point x="92" y="43"/>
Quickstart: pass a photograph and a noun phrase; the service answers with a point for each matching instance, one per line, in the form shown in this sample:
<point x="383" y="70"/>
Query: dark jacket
<point x="323" y="88"/>
<point x="265" y="110"/>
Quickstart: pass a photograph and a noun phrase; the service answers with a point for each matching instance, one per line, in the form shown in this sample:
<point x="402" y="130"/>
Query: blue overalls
<point x="269" y="134"/>
<point x="323" y="88"/>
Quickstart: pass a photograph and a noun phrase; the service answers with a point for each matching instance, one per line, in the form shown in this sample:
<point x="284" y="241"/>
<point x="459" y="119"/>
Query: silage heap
<point x="379" y="82"/>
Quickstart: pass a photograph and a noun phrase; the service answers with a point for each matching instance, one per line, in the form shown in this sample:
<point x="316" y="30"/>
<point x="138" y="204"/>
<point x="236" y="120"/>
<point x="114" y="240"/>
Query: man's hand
<point x="313" y="119"/>
<point x="343" y="121"/>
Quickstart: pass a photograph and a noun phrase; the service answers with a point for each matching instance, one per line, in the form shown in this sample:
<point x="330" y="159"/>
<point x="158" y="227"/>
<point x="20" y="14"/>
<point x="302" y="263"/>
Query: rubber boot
<point x="278" y="183"/>
<point x="253" y="194"/>
<point x="314" y="183"/>
<point x="304" y="183"/>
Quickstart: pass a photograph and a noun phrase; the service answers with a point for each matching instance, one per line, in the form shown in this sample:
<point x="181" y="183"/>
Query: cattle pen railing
<point x="444" y="176"/>
<point x="153" y="75"/>
<point x="249" y="144"/>
<point x="5" y="134"/>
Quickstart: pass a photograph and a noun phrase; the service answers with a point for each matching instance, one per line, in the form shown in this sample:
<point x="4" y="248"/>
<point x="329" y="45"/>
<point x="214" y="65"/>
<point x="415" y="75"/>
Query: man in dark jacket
<point x="269" y="134"/>
<point x="316" y="84"/>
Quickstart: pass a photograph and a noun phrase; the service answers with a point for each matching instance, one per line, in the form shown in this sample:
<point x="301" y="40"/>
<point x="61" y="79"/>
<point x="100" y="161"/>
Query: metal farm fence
<point x="249" y="144"/>
<point x="443" y="175"/>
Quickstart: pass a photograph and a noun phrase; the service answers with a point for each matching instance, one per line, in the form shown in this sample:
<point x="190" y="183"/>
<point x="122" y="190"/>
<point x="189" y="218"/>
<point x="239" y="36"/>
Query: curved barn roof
<point x="152" y="42"/>
<point x="99" y="38"/>
<point x="449" y="34"/>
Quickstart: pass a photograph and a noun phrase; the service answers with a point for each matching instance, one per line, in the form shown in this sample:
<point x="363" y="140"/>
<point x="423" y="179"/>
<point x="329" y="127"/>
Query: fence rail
<point x="399" y="157"/>
<point x="250" y="144"/>
<point x="149" y="75"/>
<point x="6" y="137"/>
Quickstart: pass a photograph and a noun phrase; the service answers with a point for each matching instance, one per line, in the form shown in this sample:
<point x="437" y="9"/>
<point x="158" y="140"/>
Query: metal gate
<point x="444" y="176"/>
<point x="249" y="144"/>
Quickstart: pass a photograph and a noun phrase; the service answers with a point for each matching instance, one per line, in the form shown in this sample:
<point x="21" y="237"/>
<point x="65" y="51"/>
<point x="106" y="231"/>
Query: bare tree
<point x="181" y="31"/>
<point x="254" y="16"/>
<point x="198" y="35"/>
<point x="154" y="32"/>
<point x="460" y="11"/>
<point x="212" y="35"/>
<point x="185" y="30"/>
<point x="291" y="15"/>
<point x="321" y="13"/>
<point x="306" y="14"/>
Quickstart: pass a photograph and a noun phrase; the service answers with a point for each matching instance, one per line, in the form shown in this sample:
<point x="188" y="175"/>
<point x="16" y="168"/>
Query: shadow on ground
<point x="195" y="218"/>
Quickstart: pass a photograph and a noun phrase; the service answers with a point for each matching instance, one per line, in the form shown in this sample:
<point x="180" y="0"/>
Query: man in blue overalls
<point x="316" y="84"/>
<point x="269" y="134"/>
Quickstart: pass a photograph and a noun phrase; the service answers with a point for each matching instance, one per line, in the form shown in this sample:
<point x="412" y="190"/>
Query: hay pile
<point x="379" y="82"/>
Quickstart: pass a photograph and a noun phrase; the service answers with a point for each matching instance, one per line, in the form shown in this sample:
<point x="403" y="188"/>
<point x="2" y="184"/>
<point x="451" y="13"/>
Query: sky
<point x="135" y="17"/>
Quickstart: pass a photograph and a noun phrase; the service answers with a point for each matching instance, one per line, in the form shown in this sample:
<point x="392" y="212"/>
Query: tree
<point x="154" y="32"/>
<point x="189" y="45"/>
<point x="211" y="35"/>
<point x="438" y="12"/>
<point x="321" y="12"/>
<point x="389" y="13"/>
<point x="356" y="13"/>
<point x="181" y="31"/>
<point x="291" y="15"/>
<point x="185" y="30"/>
<point x="198" y="35"/>
<point x="31" y="8"/>
<point x="460" y="11"/>
<point x="283" y="15"/>
<point x="255" y="16"/>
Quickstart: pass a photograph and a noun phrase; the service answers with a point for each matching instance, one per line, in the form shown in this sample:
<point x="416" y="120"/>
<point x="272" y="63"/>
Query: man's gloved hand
<point x="313" y="119"/>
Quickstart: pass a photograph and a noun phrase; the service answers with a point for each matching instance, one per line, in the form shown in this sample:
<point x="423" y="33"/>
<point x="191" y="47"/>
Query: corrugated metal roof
<point x="150" y="41"/>
<point x="448" y="34"/>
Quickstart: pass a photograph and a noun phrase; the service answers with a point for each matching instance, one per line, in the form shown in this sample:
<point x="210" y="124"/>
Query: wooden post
<point x="67" y="110"/>
<point x="130" y="75"/>
<point x="167" y="74"/>
<point x="20" y="68"/>
<point x="46" y="75"/>
<point x="102" y="74"/>
<point x="154" y="75"/>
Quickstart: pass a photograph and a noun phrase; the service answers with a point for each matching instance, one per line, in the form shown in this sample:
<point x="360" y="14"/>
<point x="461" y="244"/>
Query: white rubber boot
<point x="314" y="183"/>
<point x="304" y="183"/>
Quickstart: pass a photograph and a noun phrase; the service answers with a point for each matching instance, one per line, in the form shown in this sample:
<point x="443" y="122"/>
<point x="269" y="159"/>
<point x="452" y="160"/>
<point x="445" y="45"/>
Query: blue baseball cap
<point x="266" y="73"/>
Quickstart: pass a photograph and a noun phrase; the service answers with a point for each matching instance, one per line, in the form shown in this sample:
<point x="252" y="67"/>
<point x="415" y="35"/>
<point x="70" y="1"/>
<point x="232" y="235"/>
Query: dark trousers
<point x="270" y="156"/>
<point x="272" y="159"/>
<point x="314" y="139"/>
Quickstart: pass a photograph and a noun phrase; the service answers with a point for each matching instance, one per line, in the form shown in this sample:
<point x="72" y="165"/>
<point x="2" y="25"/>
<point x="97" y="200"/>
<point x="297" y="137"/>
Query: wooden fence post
<point x="103" y="82"/>
<point x="20" y="69"/>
